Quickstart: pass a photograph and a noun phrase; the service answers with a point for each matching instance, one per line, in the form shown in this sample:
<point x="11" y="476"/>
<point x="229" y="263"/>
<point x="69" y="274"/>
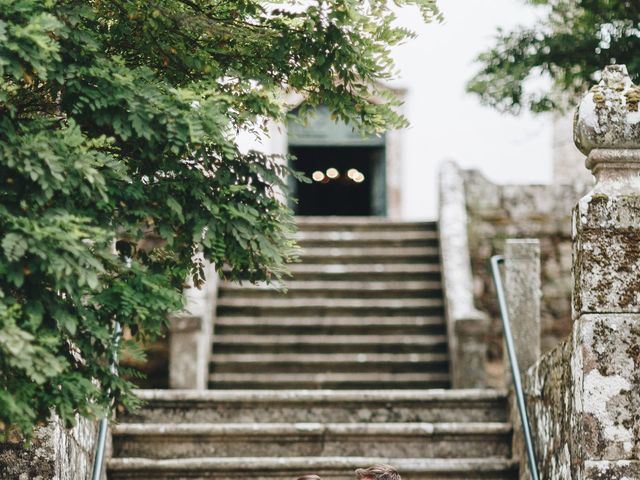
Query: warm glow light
<point x="359" y="178"/>
<point x="318" y="176"/>
<point x="332" y="173"/>
<point x="352" y="173"/>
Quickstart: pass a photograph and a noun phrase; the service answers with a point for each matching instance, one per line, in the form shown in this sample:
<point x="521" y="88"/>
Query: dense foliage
<point x="120" y="167"/>
<point x="573" y="41"/>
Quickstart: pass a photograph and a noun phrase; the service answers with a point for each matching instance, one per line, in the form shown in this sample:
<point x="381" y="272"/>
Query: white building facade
<point x="400" y="169"/>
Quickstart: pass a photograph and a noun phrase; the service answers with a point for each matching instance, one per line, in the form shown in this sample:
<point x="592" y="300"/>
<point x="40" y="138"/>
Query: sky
<point x="448" y="123"/>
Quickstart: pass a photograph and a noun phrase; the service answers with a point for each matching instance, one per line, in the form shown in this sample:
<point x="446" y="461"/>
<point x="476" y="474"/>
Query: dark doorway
<point x="345" y="180"/>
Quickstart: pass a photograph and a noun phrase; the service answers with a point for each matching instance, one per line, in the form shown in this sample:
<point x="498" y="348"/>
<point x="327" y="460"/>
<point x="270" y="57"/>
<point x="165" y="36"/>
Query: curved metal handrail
<point x="104" y="422"/>
<point x="496" y="260"/>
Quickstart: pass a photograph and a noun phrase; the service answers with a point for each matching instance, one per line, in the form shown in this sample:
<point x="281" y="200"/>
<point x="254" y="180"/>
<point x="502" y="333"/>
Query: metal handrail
<point x="496" y="260"/>
<point x="104" y="422"/>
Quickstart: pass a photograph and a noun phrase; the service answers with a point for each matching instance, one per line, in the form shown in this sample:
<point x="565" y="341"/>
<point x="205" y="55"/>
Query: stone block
<point x="608" y="355"/>
<point x="522" y="285"/>
<point x="607" y="263"/>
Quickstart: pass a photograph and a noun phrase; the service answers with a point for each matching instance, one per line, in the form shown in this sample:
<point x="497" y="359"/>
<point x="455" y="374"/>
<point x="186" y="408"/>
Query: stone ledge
<point x="422" y="429"/>
<point x="309" y="463"/>
<point x="324" y="396"/>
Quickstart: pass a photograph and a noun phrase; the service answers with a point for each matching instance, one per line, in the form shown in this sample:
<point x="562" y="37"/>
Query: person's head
<point x="378" y="472"/>
<point x="309" y="477"/>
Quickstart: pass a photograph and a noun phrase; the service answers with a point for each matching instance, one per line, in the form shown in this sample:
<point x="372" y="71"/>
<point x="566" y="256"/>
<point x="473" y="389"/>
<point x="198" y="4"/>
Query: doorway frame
<point x="392" y="153"/>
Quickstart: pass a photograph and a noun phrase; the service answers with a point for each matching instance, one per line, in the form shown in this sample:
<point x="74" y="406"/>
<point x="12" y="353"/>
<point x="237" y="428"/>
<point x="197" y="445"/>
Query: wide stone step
<point x="420" y="325"/>
<point x="243" y="343"/>
<point x="364" y="239"/>
<point x="275" y="406"/>
<point x="329" y="380"/>
<point x="330" y="307"/>
<point x="430" y="440"/>
<point x="328" y="362"/>
<point x="335" y="289"/>
<point x="332" y="223"/>
<point x="330" y="468"/>
<point x="364" y="272"/>
<point x="369" y="272"/>
<point x="370" y="254"/>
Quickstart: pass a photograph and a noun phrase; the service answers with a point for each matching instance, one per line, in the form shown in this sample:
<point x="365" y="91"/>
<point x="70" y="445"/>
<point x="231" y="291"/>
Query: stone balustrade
<point x="466" y="326"/>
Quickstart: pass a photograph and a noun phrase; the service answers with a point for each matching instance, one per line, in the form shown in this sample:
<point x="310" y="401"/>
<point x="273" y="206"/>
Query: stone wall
<point x="55" y="453"/>
<point x="498" y="212"/>
<point x="549" y="396"/>
<point x="584" y="396"/>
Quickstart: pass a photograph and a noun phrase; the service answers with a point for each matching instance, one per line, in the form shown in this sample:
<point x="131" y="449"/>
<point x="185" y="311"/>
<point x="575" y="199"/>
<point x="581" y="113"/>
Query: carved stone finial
<point x="608" y="116"/>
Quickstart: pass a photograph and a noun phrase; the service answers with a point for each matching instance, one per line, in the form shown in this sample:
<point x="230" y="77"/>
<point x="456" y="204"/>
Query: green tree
<point x="573" y="41"/>
<point x="120" y="169"/>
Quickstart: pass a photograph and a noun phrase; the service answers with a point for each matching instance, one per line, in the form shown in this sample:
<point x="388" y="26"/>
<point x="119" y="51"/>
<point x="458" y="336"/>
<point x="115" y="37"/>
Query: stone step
<point x="329" y="468"/>
<point x="335" y="289"/>
<point x="275" y="406"/>
<point x="369" y="272"/>
<point x="364" y="239"/>
<point x="328" y="362"/>
<point x="243" y="343"/>
<point x="331" y="223"/>
<point x="328" y="380"/>
<point x="426" y="440"/>
<point x="330" y="307"/>
<point x="370" y="254"/>
<point x="330" y="325"/>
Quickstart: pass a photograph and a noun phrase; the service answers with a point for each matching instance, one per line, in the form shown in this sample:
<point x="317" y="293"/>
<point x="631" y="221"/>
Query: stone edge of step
<point x="323" y="396"/>
<point x="291" y="303"/>
<point x="322" y="285"/>
<point x="315" y="339"/>
<point x="359" y="220"/>
<point x="320" y="322"/>
<point x="327" y="358"/>
<point x="408" y="465"/>
<point x="328" y="377"/>
<point x="409" y="429"/>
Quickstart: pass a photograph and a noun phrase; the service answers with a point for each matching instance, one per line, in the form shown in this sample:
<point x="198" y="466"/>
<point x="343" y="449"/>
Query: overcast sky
<point x="445" y="121"/>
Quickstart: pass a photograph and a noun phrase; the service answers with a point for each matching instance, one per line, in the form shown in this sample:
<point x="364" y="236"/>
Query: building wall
<point x="498" y="212"/>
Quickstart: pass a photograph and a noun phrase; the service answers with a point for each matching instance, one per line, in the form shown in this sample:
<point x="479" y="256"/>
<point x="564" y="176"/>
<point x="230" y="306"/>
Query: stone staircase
<point x="348" y="369"/>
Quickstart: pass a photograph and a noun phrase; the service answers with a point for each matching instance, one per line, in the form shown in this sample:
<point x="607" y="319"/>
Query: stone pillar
<point x="191" y="334"/>
<point x="522" y="285"/>
<point x="605" y="359"/>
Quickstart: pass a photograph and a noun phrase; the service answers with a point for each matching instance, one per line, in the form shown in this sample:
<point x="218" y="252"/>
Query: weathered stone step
<point x="288" y="323"/>
<point x="336" y="289"/>
<point x="372" y="272"/>
<point x="335" y="302"/>
<point x="343" y="238"/>
<point x="370" y="255"/>
<point x="274" y="406"/>
<point x="429" y="440"/>
<point x="328" y="380"/>
<point x="330" y="307"/>
<point x="360" y="223"/>
<point x="242" y="343"/>
<point x="330" y="468"/>
<point x="328" y="362"/>
<point x="330" y="325"/>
